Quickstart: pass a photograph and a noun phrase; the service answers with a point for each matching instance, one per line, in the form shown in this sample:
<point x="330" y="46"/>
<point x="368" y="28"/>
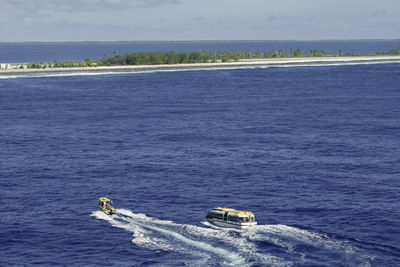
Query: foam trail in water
<point x="232" y="257"/>
<point x="207" y="243"/>
<point x="237" y="247"/>
<point x="140" y="230"/>
<point x="217" y="234"/>
<point x="292" y="237"/>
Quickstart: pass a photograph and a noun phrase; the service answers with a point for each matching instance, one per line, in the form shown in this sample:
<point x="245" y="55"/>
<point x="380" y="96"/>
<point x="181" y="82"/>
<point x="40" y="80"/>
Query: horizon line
<point x="198" y="41"/>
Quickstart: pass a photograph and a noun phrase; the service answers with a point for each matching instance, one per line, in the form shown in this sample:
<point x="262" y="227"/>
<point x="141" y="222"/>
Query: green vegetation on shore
<point x="173" y="57"/>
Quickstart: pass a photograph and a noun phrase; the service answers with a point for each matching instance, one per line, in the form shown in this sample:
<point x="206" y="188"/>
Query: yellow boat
<point x="231" y="218"/>
<point x="105" y="205"/>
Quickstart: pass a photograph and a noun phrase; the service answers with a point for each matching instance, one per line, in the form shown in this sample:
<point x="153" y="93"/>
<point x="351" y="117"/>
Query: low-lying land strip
<point x="163" y="60"/>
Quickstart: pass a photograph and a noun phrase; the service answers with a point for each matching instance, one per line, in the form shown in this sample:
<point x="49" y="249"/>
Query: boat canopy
<point x="104" y="199"/>
<point x="240" y="212"/>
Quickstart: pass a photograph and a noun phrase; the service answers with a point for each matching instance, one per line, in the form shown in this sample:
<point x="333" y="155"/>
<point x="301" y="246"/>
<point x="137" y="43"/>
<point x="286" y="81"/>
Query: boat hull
<point x="107" y="209"/>
<point x="229" y="224"/>
<point x="108" y="212"/>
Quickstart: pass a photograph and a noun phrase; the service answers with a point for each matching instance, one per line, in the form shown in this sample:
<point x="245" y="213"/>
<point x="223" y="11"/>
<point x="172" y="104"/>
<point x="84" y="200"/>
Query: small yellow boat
<point x="105" y="205"/>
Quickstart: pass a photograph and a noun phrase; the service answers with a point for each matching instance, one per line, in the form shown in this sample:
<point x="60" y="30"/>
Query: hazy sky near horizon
<point x="135" y="20"/>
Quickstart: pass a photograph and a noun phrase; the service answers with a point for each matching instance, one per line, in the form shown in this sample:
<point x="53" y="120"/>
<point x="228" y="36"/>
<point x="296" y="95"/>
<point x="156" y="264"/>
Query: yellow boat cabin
<point x="105" y="205"/>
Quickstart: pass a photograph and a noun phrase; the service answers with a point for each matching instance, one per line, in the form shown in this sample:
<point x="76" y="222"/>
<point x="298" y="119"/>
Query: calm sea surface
<point x="24" y="53"/>
<point x="313" y="151"/>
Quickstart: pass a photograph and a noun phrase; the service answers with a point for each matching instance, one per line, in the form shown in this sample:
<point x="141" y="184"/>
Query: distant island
<point x="176" y="59"/>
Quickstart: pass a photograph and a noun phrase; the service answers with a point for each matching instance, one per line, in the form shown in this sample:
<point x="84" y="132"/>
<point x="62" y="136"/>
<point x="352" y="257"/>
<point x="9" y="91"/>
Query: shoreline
<point x="247" y="62"/>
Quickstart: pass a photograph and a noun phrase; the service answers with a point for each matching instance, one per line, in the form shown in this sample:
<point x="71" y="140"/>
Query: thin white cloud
<point x="79" y="5"/>
<point x="30" y="11"/>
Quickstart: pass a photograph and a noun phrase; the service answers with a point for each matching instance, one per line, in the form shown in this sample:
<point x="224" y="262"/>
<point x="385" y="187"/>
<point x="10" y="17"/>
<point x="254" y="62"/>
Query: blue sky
<point x="135" y="20"/>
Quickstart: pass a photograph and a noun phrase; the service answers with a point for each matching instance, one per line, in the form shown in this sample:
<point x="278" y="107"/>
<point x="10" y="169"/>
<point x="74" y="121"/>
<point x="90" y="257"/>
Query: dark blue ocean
<point x="312" y="150"/>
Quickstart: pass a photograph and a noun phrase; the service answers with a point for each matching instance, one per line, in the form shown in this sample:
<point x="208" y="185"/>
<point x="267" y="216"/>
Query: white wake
<point x="207" y="243"/>
<point x="266" y="245"/>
